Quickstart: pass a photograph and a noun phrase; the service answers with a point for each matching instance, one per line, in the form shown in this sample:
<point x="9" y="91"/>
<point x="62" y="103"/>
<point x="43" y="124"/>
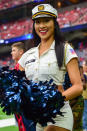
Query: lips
<point x="43" y="32"/>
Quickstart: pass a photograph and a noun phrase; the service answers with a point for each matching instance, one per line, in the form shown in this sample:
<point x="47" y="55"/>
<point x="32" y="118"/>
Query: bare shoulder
<point x="73" y="62"/>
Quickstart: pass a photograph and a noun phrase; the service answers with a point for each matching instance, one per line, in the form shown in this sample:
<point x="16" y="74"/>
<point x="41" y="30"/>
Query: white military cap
<point x="44" y="10"/>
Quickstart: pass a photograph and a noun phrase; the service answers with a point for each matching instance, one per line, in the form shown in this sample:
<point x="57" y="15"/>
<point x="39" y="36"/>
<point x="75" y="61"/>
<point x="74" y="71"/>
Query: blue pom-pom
<point x="40" y="102"/>
<point x="67" y="83"/>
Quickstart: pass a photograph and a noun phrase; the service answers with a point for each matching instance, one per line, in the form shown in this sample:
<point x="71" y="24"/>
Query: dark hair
<point x="59" y="42"/>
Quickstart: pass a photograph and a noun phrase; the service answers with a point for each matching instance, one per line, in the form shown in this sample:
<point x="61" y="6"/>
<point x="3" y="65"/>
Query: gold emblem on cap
<point x="41" y="7"/>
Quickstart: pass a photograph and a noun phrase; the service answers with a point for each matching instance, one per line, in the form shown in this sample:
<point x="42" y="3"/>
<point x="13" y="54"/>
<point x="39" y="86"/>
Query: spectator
<point x="77" y="106"/>
<point x="17" y="51"/>
<point x="85" y="97"/>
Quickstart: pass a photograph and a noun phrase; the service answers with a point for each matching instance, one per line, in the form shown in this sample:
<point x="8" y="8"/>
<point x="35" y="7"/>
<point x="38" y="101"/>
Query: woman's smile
<point x="43" y="32"/>
<point x="44" y="27"/>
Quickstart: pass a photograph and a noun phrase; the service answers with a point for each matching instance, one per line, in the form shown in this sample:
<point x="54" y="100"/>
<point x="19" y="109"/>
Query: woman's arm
<point x="74" y="75"/>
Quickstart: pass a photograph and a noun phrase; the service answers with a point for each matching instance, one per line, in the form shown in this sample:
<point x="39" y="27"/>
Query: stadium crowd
<point x="24" y="26"/>
<point x="5" y="4"/>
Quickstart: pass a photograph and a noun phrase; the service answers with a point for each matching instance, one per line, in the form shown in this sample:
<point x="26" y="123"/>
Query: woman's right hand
<point x="60" y="88"/>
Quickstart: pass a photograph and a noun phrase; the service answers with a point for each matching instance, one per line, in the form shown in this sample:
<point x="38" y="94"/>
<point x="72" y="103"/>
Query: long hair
<point x="36" y="38"/>
<point x="59" y="42"/>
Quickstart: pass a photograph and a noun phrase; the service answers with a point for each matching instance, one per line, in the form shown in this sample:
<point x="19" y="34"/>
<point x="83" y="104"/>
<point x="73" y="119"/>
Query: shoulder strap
<point x="66" y="44"/>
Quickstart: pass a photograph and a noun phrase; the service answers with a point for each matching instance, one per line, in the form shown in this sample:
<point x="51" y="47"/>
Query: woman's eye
<point x="37" y="21"/>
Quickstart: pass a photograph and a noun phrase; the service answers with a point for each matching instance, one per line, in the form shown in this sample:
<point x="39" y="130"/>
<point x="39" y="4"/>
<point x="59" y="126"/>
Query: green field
<point x="3" y="115"/>
<point x="10" y="128"/>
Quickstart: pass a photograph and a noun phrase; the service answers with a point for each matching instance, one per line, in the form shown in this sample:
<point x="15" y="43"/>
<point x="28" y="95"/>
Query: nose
<point x="42" y="24"/>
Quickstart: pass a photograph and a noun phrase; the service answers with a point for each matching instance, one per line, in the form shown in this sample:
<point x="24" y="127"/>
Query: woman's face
<point x="44" y="28"/>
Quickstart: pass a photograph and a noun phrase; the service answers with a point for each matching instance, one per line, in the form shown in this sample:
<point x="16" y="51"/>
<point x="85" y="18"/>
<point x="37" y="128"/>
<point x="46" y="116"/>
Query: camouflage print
<point x="77" y="108"/>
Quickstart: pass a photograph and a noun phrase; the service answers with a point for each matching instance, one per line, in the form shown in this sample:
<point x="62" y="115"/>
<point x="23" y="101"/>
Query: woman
<point x="50" y="59"/>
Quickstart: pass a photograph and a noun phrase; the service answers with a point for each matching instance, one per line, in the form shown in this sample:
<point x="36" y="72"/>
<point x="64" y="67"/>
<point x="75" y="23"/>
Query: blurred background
<point x="16" y="24"/>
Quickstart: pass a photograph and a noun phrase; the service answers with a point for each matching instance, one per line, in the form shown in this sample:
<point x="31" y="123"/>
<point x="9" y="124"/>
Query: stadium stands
<point x="24" y="26"/>
<point x="16" y="28"/>
<point x="4" y="4"/>
<point x="65" y="18"/>
<point x="7" y="61"/>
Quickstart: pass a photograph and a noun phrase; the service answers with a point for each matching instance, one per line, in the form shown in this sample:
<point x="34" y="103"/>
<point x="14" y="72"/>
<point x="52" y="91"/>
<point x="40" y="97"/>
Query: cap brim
<point x="40" y="16"/>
